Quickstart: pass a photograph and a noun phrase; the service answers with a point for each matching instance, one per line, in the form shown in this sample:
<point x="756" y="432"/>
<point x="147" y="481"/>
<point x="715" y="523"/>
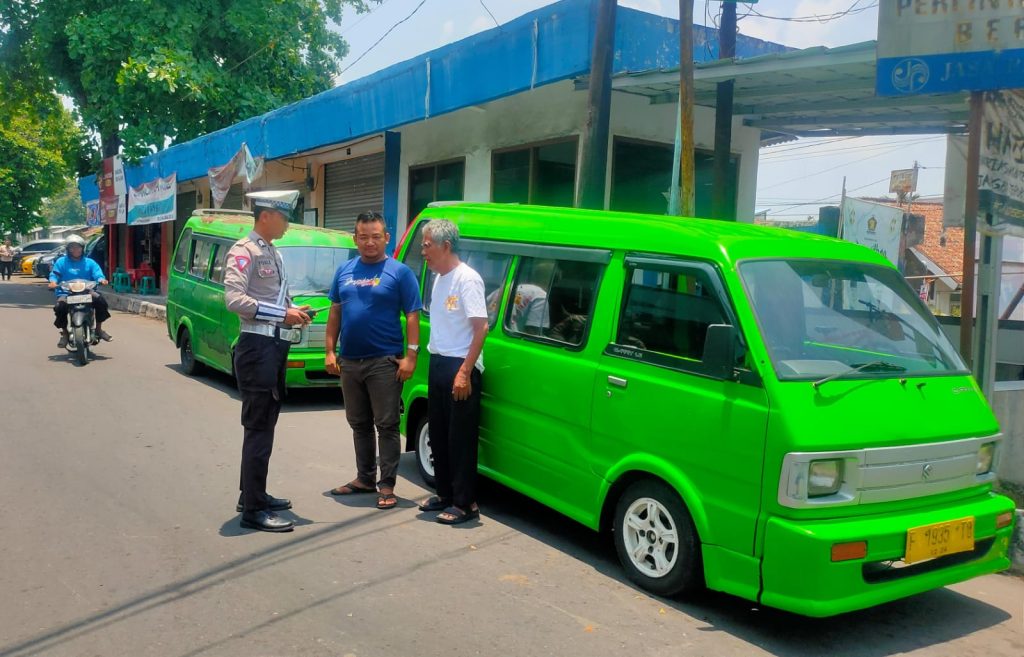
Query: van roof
<point x="721" y="241"/>
<point x="236" y="224"/>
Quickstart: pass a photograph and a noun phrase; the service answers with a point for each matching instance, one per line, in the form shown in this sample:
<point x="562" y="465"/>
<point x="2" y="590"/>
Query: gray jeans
<point x="372" y="397"/>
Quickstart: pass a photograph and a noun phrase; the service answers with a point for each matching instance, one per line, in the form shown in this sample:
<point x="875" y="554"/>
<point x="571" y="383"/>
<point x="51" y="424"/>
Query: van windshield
<point x="820" y="318"/>
<point x="311" y="269"/>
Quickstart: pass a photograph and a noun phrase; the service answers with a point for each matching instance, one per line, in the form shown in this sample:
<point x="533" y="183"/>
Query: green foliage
<point x="147" y="73"/>
<point x="64" y="208"/>
<point x="37" y="153"/>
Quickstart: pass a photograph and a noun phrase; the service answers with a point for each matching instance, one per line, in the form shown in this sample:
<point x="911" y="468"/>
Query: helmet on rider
<point x="73" y="240"/>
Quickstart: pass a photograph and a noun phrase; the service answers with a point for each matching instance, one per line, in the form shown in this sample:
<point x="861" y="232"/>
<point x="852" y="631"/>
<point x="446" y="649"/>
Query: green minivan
<point x="200" y="325"/>
<point x="766" y="413"/>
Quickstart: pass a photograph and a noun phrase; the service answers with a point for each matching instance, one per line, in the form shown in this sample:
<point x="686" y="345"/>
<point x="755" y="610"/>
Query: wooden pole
<point x="686" y="164"/>
<point x="721" y="208"/>
<point x="970" y="226"/>
<point x="594" y="150"/>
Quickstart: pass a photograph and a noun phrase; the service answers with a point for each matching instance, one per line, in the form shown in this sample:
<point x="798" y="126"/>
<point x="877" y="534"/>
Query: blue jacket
<point x="66" y="269"/>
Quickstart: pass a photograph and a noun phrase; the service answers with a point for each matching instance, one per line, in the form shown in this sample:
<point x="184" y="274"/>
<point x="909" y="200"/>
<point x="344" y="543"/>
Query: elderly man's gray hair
<point x="441" y="231"/>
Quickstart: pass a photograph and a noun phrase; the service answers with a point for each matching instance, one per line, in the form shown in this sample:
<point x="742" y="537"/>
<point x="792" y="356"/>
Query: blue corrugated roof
<point x="478" y="69"/>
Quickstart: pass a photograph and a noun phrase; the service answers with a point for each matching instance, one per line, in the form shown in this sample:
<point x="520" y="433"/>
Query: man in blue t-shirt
<point x="368" y="295"/>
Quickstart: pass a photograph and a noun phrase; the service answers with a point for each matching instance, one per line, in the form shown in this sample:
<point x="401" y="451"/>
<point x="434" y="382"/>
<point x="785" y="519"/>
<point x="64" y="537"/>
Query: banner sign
<point x="873" y="225"/>
<point x="92" y="213"/>
<point x="945" y="46"/>
<point x="113" y="204"/>
<point x="153" y="202"/>
<point x="1001" y="166"/>
<point x="241" y="164"/>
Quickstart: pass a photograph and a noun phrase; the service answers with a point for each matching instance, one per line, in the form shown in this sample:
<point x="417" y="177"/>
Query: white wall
<point x="551" y="112"/>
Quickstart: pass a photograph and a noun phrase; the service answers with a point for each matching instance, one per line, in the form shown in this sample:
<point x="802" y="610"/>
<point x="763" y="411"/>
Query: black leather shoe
<point x="273" y="503"/>
<point x="266" y="521"/>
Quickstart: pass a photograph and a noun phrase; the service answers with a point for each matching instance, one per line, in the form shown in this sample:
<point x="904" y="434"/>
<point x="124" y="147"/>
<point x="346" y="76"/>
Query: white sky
<point x="805" y="176"/>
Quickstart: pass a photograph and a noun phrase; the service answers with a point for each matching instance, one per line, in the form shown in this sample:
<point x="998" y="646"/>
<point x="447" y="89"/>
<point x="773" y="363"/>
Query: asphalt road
<point x="119" y="537"/>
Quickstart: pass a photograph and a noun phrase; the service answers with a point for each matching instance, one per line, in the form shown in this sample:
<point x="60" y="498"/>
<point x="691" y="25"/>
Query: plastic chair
<point x="121" y="281"/>
<point x="147" y="285"/>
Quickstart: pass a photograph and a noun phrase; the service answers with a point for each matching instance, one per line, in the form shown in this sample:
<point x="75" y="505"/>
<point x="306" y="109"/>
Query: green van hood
<point x="854" y="414"/>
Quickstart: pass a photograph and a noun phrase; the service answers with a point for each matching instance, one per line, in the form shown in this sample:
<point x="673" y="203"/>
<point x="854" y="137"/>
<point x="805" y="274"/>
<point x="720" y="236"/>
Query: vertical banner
<point x="92" y="213"/>
<point x="113" y="203"/>
<point x="873" y="225"/>
<point x="153" y="202"/>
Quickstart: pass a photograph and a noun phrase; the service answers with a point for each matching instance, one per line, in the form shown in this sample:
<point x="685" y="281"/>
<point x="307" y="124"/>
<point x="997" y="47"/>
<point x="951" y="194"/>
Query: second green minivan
<point x="770" y="414"/>
<point x="200" y="325"/>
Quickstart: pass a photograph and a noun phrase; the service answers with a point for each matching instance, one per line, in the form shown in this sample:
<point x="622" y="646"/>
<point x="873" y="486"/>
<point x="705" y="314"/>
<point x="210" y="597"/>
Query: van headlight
<point x="986" y="456"/>
<point x="825" y="477"/>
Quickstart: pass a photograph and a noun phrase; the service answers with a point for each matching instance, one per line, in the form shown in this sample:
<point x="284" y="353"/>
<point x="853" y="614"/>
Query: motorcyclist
<point x="73" y="265"/>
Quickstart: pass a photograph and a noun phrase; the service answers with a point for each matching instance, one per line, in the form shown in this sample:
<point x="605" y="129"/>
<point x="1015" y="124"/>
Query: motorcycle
<point x="81" y="318"/>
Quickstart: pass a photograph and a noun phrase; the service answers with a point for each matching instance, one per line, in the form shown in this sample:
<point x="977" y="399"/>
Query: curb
<point x="1017" y="545"/>
<point x="134" y="305"/>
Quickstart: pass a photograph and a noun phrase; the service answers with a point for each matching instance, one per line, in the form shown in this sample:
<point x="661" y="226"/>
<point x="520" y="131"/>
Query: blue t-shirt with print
<point x="372" y="296"/>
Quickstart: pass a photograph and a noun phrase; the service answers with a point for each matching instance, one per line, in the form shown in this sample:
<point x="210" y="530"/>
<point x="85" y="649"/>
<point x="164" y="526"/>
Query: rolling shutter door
<point x="352" y="186"/>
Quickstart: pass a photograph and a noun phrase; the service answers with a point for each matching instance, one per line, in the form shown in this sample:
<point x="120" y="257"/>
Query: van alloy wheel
<point x="424" y="455"/>
<point x="655" y="539"/>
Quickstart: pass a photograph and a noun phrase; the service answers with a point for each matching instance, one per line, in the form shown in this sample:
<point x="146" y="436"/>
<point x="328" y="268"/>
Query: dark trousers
<point x="99" y="307"/>
<point x="260" y="366"/>
<point x="6" y="268"/>
<point x="372" y="398"/>
<point x="454" y="431"/>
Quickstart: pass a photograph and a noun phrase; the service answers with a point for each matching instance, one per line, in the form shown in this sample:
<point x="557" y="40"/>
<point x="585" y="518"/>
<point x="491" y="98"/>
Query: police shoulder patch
<point x="242" y="262"/>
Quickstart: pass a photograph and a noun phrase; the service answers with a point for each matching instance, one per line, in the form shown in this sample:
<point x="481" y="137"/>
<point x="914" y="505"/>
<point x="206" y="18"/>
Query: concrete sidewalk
<point x="146" y="305"/>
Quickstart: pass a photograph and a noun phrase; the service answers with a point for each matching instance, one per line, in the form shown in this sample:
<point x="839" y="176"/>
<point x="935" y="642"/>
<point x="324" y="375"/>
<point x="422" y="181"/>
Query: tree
<point x="65" y="207"/>
<point x="37" y="156"/>
<point x="148" y="73"/>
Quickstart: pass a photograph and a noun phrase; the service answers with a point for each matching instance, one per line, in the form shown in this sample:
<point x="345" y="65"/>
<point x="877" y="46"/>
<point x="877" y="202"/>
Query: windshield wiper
<point x="874" y="366"/>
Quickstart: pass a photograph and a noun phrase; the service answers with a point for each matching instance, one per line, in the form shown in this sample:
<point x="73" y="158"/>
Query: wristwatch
<point x="414" y="348"/>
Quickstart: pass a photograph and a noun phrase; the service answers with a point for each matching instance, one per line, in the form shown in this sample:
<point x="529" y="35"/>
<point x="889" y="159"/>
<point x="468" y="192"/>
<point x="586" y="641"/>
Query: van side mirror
<point x="720" y="351"/>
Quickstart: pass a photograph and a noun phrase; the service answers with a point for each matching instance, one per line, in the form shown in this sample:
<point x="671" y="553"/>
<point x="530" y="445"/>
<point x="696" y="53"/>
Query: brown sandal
<point x="352" y="489"/>
<point x="387" y="501"/>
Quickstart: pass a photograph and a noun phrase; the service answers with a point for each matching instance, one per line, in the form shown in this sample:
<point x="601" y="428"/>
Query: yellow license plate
<point x="940" y="539"/>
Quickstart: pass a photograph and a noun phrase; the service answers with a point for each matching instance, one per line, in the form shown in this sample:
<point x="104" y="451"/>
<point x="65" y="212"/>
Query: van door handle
<point x="617" y="381"/>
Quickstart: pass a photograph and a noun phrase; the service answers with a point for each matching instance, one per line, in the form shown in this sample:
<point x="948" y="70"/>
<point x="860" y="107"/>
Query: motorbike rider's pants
<point x="260" y="368"/>
<point x="99" y="307"/>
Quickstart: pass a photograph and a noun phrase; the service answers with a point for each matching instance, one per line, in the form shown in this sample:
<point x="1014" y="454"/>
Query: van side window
<point x="184" y="246"/>
<point x="667" y="313"/>
<point x="200" y="258"/>
<point x="552" y="299"/>
<point x="220" y="258"/>
<point x="492" y="267"/>
<point x="413" y="258"/>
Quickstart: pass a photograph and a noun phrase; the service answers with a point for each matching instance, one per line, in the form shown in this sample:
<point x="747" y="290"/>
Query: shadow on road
<point x="298" y="400"/>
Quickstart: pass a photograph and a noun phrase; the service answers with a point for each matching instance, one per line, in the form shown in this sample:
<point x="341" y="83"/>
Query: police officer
<point x="256" y="288"/>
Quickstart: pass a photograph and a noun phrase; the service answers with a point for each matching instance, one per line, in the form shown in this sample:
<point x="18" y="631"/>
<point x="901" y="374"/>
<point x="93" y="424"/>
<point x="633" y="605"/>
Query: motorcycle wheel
<point x="81" y="346"/>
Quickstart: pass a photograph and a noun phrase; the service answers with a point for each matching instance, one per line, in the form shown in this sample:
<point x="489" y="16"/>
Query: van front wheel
<point x="189" y="364"/>
<point x="424" y="456"/>
<point x="656" y="540"/>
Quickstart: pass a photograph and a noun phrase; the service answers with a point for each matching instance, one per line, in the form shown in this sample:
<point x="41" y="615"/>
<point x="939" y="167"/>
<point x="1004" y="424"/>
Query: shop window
<point x="435" y="182"/>
<point x="541" y="175"/>
<point x="642" y="178"/>
<point x="552" y="300"/>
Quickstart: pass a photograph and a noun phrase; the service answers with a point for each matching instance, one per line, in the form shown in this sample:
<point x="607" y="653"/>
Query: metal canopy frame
<point x="816" y="92"/>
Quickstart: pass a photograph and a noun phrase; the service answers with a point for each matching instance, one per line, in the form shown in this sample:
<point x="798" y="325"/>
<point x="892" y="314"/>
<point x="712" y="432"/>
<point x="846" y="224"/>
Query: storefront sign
<point x="903" y="181"/>
<point x="1001" y="167"/>
<point x="241" y="164"/>
<point x="873" y="225"/>
<point x="153" y="202"/>
<point x="944" y="46"/>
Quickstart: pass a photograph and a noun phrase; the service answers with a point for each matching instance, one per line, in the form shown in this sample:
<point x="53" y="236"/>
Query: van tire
<point x="656" y="540"/>
<point x="424" y="458"/>
<point x="189" y="364"/>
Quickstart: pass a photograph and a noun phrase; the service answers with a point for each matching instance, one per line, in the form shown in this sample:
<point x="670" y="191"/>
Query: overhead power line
<point x="853" y="10"/>
<point x="830" y="196"/>
<point x="384" y="36"/>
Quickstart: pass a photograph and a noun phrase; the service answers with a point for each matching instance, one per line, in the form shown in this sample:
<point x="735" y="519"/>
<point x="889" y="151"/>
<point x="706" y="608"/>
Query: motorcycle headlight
<point x="77" y="286"/>
<point x="824" y="477"/>
<point x="986" y="456"/>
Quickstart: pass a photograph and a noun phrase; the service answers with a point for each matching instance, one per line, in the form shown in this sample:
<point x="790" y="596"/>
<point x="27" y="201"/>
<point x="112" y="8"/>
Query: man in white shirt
<point x="458" y="327"/>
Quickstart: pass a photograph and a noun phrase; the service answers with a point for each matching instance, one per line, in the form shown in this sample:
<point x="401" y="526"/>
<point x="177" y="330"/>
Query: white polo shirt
<point x="457" y="297"/>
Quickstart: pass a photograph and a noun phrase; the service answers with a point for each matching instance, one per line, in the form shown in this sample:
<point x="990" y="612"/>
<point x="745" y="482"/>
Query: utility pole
<point x="970" y="226"/>
<point x="721" y="208"/>
<point x="594" y="152"/>
<point x="686" y="165"/>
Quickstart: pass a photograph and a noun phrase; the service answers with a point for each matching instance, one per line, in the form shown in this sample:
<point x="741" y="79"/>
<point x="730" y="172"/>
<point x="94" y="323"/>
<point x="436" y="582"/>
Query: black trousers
<point x="454" y="431"/>
<point x="260" y="367"/>
<point x="99" y="307"/>
<point x="6" y="268"/>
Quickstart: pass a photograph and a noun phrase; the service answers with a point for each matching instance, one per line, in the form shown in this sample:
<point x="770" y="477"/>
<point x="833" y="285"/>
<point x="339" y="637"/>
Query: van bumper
<point x="311" y="374"/>
<point x="798" y="574"/>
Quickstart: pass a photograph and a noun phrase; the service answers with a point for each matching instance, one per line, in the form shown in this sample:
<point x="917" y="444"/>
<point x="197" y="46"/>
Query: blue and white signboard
<point x="945" y="46"/>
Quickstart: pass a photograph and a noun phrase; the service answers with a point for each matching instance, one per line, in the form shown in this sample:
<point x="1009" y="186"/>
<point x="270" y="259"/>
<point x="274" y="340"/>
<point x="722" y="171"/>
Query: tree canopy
<point x="148" y="73"/>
